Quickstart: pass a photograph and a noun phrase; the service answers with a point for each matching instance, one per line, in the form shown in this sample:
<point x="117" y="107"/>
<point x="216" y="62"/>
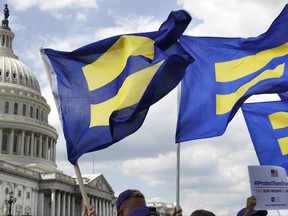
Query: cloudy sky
<point x="213" y="173"/>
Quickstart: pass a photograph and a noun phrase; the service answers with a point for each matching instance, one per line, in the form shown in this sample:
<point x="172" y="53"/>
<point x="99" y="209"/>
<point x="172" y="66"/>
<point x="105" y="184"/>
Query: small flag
<point x="267" y="123"/>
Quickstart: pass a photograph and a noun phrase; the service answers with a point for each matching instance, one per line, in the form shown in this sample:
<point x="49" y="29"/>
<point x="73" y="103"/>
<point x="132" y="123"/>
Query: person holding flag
<point x="85" y="211"/>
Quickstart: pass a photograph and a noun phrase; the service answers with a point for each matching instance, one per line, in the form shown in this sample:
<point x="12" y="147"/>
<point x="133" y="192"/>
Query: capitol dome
<point x="14" y="72"/>
<point x="26" y="138"/>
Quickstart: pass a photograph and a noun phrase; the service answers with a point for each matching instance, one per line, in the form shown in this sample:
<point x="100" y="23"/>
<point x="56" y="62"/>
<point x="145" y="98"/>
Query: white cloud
<point x="66" y="9"/>
<point x="53" y="4"/>
<point x="152" y="170"/>
<point x="128" y="24"/>
<point x="81" y="16"/>
<point x="232" y="18"/>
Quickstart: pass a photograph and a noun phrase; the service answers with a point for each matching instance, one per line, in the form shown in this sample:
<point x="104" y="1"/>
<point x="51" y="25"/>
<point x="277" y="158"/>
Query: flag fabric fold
<point x="267" y="123"/>
<point x="103" y="90"/>
<point x="227" y="71"/>
<point x="283" y="96"/>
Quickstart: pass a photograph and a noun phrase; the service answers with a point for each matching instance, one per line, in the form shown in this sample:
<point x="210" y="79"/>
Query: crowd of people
<point x="132" y="202"/>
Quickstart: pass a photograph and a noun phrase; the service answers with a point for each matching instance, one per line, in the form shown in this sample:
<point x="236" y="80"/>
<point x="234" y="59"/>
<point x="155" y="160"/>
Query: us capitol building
<point x="28" y="170"/>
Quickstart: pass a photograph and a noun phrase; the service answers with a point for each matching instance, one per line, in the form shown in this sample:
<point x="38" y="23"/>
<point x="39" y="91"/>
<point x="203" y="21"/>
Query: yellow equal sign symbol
<point x="236" y="69"/>
<point x="109" y="66"/>
<point x="279" y="120"/>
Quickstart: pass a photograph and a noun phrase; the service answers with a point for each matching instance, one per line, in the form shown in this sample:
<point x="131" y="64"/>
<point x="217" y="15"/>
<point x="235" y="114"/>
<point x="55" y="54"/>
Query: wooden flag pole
<point x="82" y="186"/>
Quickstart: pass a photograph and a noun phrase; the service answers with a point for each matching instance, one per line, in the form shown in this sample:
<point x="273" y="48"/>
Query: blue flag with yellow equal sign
<point x="225" y="73"/>
<point x="103" y="90"/>
<point x="267" y="123"/>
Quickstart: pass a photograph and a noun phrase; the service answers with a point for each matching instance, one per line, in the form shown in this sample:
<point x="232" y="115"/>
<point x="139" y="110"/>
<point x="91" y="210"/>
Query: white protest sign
<point x="269" y="185"/>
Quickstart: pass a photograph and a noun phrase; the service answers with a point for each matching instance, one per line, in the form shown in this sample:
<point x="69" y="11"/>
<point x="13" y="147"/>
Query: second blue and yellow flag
<point x="225" y="73"/>
<point x="103" y="90"/>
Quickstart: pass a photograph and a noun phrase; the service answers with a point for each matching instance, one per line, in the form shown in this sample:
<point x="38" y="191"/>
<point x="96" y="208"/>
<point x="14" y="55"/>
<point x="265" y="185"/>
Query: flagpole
<point x="93" y="163"/>
<point x="81" y="186"/>
<point x="178" y="178"/>
<point x="178" y="159"/>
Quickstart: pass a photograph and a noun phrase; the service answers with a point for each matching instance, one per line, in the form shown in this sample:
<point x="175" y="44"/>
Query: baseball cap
<point x="125" y="195"/>
<point x="122" y="196"/>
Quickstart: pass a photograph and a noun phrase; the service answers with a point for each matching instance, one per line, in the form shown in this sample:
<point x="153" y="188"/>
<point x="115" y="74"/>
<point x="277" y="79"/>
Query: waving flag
<point x="104" y="90"/>
<point x="268" y="127"/>
<point x="225" y="73"/>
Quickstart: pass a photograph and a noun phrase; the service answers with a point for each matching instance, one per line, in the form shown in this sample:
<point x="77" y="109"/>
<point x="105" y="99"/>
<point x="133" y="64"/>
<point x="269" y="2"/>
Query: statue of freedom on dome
<point x="5" y="22"/>
<point x="6" y="11"/>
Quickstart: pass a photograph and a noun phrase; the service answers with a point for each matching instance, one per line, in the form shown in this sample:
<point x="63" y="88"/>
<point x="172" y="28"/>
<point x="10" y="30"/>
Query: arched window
<point x="27" y="208"/>
<point x="15" y="144"/>
<point x="25" y="146"/>
<point x="31" y="112"/>
<point x="4" y="149"/>
<point x="24" y="110"/>
<point x="18" y="207"/>
<point x="7" y="41"/>
<point x="37" y="113"/>
<point x="15" y="108"/>
<point x="6" y="110"/>
<point x="29" y="146"/>
<point x="37" y="147"/>
<point x="42" y="153"/>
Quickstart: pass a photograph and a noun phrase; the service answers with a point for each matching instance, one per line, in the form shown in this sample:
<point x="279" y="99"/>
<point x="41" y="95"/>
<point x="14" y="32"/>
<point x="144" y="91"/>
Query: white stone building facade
<point x="164" y="209"/>
<point x="52" y="193"/>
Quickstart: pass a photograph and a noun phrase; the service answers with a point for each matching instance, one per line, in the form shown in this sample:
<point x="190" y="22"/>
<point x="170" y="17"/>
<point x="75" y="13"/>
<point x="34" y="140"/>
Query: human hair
<point x="202" y="212"/>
